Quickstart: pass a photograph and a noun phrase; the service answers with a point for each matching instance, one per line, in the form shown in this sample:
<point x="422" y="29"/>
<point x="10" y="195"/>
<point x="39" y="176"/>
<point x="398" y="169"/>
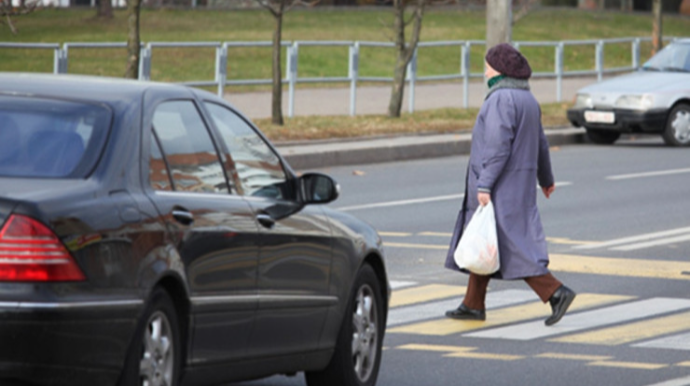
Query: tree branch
<point x="524" y="10"/>
<point x="269" y="6"/>
<point x="302" y="2"/>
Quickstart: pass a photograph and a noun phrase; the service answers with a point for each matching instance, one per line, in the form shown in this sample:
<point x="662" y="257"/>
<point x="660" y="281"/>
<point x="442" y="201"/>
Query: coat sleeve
<point x="499" y="132"/>
<point x="544" y="172"/>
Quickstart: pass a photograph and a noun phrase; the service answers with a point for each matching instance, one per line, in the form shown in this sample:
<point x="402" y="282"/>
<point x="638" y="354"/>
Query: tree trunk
<point x="105" y="9"/>
<point x="133" y="39"/>
<point x="657" y="30"/>
<point x="277" y="99"/>
<point x="499" y="20"/>
<point x="405" y="52"/>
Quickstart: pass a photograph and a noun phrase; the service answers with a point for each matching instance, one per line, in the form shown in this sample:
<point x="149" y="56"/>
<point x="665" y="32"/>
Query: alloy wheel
<point x="158" y="359"/>
<point x="681" y="126"/>
<point x="365" y="333"/>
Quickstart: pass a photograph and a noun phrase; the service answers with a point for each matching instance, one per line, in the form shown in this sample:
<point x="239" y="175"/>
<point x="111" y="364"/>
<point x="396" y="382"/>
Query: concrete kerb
<point x="377" y="150"/>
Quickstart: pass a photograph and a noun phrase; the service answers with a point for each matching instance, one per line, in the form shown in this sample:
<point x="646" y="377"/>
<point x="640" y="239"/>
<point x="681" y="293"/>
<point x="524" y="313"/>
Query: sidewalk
<point x="374" y="100"/>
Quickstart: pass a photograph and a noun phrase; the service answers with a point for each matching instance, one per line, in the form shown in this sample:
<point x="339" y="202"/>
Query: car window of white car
<point x="258" y="167"/>
<point x="186" y="152"/>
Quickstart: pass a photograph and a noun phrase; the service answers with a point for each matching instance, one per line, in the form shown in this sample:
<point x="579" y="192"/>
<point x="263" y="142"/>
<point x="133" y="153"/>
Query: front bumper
<point x="71" y="343"/>
<point x="626" y="121"/>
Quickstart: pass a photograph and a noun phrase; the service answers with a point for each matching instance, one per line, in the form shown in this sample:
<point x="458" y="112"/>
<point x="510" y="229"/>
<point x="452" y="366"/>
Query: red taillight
<point x="29" y="251"/>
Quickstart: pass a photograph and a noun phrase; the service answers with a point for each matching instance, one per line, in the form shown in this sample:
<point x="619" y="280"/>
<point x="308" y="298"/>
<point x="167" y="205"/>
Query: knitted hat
<point x="508" y="61"/>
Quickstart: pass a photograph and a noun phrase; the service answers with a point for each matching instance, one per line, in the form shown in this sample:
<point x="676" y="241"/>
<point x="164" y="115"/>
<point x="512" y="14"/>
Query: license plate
<point x="600" y="116"/>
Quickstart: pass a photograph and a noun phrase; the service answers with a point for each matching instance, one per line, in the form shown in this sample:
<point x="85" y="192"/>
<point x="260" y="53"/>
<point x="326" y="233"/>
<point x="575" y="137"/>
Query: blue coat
<point x="509" y="155"/>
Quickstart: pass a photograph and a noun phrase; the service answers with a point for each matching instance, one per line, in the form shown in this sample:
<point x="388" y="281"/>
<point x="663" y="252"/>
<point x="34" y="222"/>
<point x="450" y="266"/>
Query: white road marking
<point x="437" y="310"/>
<point x="396" y="284"/>
<point x="685" y="381"/>
<point x="401" y="202"/>
<point x="675" y="342"/>
<point x="415" y="201"/>
<point x="669" y="240"/>
<point x="648" y="174"/>
<point x="586" y="320"/>
<point x="634" y="239"/>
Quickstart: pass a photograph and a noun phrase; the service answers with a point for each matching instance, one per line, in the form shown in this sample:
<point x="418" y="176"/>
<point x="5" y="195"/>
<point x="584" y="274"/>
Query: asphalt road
<point x="619" y="234"/>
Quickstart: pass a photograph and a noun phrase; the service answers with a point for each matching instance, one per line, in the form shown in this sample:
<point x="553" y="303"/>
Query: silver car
<point x="653" y="100"/>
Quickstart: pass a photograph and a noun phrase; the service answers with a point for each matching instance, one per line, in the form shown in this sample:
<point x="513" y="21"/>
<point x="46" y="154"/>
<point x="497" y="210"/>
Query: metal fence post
<point x="636" y="54"/>
<point x="221" y="67"/>
<point x="145" y="63"/>
<point x="60" y="60"/>
<point x="559" y="71"/>
<point x="412" y="77"/>
<point x="354" y="73"/>
<point x="599" y="58"/>
<point x="292" y="55"/>
<point x="465" y="71"/>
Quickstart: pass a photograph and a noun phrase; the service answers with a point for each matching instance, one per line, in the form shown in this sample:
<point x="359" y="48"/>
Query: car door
<point x="214" y="228"/>
<point x="296" y="249"/>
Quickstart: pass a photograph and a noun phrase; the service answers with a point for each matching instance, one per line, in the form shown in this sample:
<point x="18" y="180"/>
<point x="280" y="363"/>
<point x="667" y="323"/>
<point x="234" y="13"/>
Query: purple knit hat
<point x="508" y="61"/>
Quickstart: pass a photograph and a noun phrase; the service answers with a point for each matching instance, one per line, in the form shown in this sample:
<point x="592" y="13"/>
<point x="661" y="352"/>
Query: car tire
<point x="677" y="131"/>
<point x="154" y="355"/>
<point x="602" y="137"/>
<point x="357" y="355"/>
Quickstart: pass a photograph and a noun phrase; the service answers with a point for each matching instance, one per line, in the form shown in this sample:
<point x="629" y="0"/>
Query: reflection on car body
<point x="150" y="234"/>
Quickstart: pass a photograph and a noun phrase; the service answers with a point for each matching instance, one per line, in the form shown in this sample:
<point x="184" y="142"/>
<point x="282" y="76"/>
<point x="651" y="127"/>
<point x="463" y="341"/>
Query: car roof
<point x="95" y="88"/>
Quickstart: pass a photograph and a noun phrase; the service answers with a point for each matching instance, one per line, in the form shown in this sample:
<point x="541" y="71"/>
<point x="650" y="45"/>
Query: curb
<point x="377" y="150"/>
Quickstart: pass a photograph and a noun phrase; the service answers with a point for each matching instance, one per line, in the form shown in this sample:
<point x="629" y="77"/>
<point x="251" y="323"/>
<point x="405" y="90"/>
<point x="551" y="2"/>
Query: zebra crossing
<point x="593" y="319"/>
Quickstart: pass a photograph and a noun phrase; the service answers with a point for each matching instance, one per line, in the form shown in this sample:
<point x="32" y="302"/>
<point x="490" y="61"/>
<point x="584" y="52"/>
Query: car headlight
<point x="583" y="100"/>
<point x="636" y="102"/>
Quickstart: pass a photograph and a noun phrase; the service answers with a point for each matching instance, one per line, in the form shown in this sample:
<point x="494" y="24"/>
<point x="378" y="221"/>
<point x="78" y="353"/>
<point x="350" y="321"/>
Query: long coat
<point x="509" y="155"/>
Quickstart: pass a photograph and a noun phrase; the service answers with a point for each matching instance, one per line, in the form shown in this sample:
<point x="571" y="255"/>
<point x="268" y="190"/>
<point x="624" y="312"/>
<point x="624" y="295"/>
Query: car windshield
<point x="675" y="57"/>
<point x="49" y="138"/>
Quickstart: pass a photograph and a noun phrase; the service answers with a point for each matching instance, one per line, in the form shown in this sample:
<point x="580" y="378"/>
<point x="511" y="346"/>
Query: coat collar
<point x="507" y="82"/>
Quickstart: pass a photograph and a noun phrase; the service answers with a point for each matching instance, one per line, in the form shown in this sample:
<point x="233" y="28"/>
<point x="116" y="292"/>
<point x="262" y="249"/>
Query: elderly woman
<point x="510" y="154"/>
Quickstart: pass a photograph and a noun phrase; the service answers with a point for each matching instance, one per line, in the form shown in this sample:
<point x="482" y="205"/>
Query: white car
<point x="653" y="100"/>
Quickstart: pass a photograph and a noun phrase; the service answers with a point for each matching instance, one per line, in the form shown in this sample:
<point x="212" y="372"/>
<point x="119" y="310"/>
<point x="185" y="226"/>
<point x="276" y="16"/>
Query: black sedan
<point x="151" y="235"/>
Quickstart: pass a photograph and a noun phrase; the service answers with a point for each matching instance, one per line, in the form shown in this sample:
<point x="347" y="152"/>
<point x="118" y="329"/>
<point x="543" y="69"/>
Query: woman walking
<point x="509" y="156"/>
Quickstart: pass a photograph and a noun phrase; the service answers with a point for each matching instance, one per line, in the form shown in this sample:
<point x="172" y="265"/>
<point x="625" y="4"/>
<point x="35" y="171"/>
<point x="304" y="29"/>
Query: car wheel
<point x="358" y="352"/>
<point x="602" y="137"/>
<point x="677" y="132"/>
<point x="154" y="355"/>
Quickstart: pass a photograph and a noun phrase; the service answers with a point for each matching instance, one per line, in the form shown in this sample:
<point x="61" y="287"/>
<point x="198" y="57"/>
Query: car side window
<point x="259" y="169"/>
<point x="158" y="170"/>
<point x="188" y="149"/>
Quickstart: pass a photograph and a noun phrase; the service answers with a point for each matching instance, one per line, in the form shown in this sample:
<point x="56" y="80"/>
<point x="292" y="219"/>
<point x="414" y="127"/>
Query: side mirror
<point x="317" y="188"/>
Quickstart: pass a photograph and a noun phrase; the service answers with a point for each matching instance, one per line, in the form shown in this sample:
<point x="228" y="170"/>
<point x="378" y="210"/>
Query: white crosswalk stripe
<point x="587" y="320"/>
<point x="675" y="342"/>
<point x="418" y="313"/>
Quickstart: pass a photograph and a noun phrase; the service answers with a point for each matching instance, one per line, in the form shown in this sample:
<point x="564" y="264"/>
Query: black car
<point x="151" y="235"/>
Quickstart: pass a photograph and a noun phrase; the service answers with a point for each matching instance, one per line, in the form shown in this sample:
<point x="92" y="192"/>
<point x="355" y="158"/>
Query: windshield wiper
<point x="650" y="68"/>
<point x="674" y="69"/>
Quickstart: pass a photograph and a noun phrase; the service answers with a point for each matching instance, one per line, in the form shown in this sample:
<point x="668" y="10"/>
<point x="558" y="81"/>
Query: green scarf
<point x="495" y="80"/>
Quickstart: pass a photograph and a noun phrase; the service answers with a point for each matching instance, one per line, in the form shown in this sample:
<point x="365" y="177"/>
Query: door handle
<point x="265" y="220"/>
<point x="182" y="216"/>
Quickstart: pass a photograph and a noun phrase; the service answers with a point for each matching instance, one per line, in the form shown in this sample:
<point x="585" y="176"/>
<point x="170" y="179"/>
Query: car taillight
<point x="29" y="251"/>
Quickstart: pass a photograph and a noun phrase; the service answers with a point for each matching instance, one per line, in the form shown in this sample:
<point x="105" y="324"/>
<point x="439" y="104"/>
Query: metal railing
<point x="224" y="49"/>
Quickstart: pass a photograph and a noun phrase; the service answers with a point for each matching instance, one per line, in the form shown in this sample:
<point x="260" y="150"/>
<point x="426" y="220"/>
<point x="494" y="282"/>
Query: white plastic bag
<point x="477" y="250"/>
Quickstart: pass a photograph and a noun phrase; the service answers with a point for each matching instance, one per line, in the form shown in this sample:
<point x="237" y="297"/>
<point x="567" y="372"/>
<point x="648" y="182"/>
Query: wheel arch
<point x="178" y="294"/>
<point x="375" y="260"/>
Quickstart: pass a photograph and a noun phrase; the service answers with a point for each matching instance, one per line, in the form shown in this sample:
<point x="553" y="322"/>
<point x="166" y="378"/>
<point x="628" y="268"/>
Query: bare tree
<point x="133" y="38"/>
<point x="104" y="10"/>
<point x="404" y="49"/>
<point x="657" y="30"/>
<point x="499" y="21"/>
<point x="8" y="11"/>
<point x="278" y="8"/>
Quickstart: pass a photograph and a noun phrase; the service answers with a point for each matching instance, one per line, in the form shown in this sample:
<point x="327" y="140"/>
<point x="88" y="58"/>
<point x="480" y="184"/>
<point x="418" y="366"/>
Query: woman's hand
<point x="548" y="190"/>
<point x="483" y="198"/>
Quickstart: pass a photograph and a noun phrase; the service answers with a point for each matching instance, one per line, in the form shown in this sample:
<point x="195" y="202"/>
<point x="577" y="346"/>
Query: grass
<point x="446" y="120"/>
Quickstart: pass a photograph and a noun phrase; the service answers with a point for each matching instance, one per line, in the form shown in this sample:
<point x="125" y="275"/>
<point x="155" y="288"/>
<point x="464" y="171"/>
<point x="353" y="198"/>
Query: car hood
<point x="639" y="82"/>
